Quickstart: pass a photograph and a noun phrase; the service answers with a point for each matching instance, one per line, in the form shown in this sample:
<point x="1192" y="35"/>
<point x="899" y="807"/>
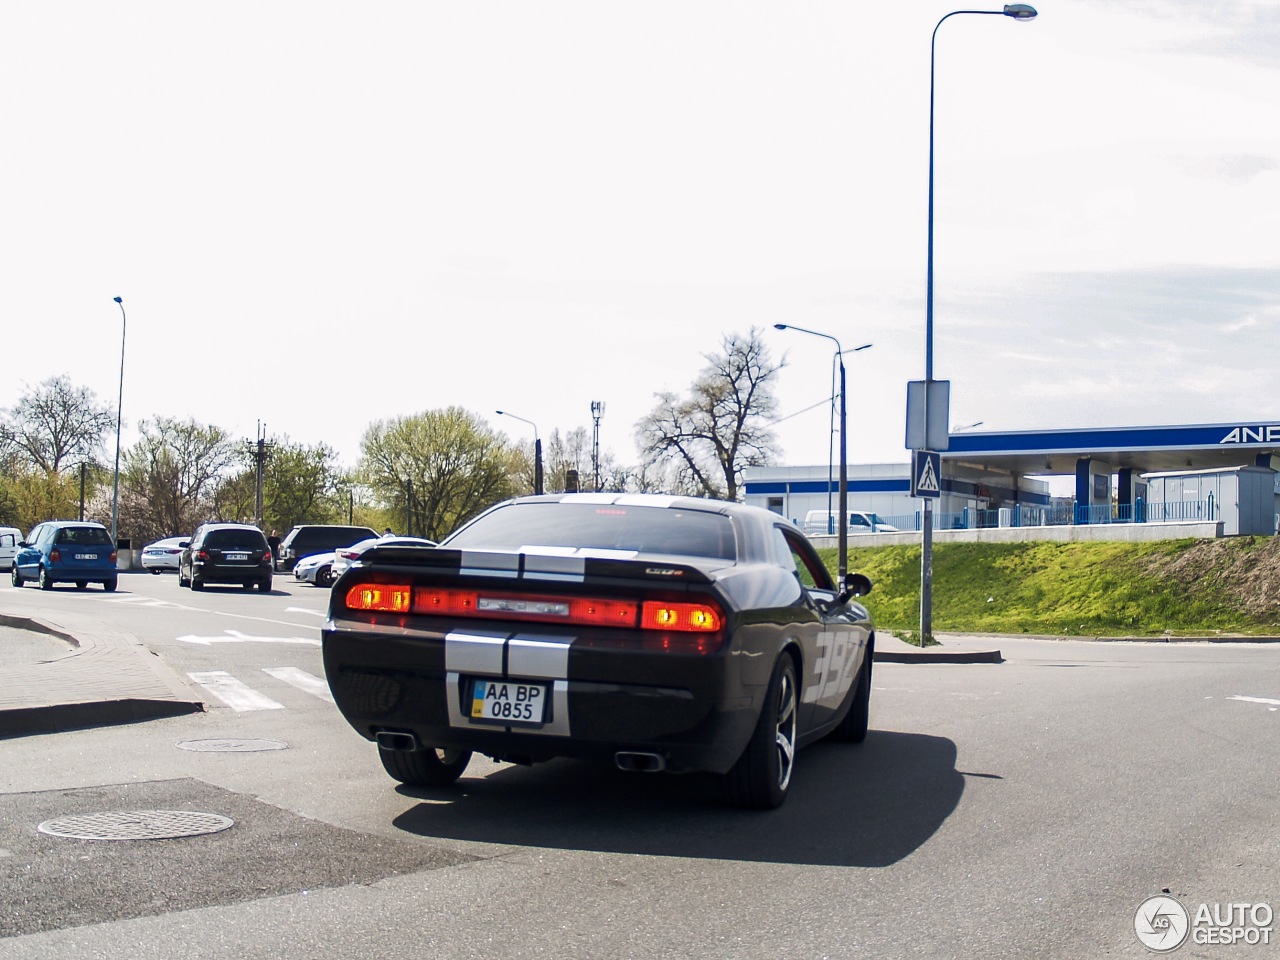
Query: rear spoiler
<point x="541" y="567"/>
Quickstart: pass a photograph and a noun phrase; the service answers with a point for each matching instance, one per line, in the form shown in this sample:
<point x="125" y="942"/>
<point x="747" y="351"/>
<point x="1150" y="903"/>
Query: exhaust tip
<point x="402" y="741"/>
<point x="634" y="761"/>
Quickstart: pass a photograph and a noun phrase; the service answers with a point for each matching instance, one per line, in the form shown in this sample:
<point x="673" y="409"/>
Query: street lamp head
<point x="1020" y="11"/>
<point x="779" y="326"/>
<point x="118" y="300"/>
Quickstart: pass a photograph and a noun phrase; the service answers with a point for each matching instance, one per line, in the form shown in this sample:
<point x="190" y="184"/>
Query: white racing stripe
<point x="306" y="682"/>
<point x="232" y="692"/>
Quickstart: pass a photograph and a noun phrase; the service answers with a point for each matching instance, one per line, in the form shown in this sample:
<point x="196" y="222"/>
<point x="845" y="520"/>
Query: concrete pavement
<point x="83" y="672"/>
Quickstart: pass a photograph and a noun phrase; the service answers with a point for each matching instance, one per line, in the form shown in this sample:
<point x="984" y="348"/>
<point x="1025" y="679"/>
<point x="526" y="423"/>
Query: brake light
<point x="54" y="555"/>
<point x="390" y="598"/>
<point x="509" y="606"/>
<point x="681" y="617"/>
<point x="113" y="556"/>
<point x="348" y="554"/>
<point x="202" y="555"/>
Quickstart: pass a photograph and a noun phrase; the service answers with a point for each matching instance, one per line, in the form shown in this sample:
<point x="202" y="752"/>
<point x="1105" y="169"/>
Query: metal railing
<point x="1033" y="515"/>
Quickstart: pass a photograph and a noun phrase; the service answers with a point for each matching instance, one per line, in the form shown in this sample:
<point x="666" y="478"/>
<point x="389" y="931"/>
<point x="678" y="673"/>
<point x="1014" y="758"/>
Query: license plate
<point x="236" y="556"/>
<point x="507" y="701"/>
<point x="86" y="556"/>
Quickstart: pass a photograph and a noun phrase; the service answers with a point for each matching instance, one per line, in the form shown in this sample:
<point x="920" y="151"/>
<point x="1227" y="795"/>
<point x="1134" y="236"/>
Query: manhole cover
<point x="136" y="825"/>
<point x="232" y="745"/>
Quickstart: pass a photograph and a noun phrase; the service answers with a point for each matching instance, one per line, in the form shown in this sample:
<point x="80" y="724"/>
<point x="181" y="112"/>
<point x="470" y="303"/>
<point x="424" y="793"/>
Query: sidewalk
<point x="81" y="673"/>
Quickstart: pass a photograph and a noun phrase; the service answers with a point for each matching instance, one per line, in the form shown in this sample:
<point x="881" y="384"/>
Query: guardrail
<point x="1031" y="515"/>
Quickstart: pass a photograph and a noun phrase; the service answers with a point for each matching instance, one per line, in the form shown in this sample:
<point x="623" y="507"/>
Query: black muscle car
<point x="657" y="633"/>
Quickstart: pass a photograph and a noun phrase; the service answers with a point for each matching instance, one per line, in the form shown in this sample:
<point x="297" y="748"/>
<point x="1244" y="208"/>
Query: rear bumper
<point x="686" y="708"/>
<point x="207" y="573"/>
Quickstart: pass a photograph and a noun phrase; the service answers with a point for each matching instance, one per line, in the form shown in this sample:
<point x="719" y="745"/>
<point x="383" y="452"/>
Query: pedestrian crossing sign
<point x="926" y="473"/>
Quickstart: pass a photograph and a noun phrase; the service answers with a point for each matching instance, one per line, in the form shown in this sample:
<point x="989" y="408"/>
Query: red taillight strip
<point x="665" y="616"/>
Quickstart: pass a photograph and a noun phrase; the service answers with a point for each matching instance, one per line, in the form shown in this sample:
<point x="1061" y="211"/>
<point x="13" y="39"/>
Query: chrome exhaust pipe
<point x="634" y="761"/>
<point x="401" y="740"/>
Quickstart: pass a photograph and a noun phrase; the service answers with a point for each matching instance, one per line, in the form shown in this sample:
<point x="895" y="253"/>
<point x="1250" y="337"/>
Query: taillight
<point x="54" y="555"/>
<point x="386" y="597"/>
<point x="509" y="606"/>
<point x="348" y="554"/>
<point x="113" y="556"/>
<point x="202" y="555"/>
<point x="681" y="617"/>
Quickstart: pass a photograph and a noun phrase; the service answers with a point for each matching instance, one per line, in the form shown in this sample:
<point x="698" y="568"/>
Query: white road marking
<point x="235" y="636"/>
<point x="314" y="613"/>
<point x="1267" y="701"/>
<point x="232" y="692"/>
<point x="308" y="683"/>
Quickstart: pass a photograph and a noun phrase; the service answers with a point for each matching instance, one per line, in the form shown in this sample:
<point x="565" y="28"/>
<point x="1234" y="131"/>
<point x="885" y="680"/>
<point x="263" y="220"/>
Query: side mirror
<point x="855" y="585"/>
<point x="184" y="544"/>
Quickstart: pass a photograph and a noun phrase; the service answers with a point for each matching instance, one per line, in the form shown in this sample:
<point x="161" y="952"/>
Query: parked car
<point x="226" y="553"/>
<point x="316" y="569"/>
<point x="821" y="522"/>
<point x="66" y="551"/>
<point x="343" y="557"/>
<point x="162" y="555"/>
<point x="9" y="537"/>
<point x="311" y="538"/>
<point x="656" y="633"/>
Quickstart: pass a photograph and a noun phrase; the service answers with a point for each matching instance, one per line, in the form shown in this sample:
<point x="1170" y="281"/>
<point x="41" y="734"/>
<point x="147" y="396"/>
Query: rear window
<point x="87" y="536"/>
<point x="330" y="537"/>
<point x="236" y="540"/>
<point x="660" y="530"/>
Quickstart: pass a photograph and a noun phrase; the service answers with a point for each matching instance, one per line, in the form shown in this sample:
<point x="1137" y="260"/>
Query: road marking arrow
<point x="235" y="636"/>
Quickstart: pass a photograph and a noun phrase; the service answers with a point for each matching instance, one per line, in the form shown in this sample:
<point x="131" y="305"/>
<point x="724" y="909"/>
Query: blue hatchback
<point x="66" y="551"/>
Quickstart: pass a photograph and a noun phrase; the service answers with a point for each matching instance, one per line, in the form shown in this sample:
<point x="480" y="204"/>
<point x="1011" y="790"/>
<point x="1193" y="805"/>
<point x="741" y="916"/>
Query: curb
<point x="105" y="681"/>
<point x="941" y="656"/>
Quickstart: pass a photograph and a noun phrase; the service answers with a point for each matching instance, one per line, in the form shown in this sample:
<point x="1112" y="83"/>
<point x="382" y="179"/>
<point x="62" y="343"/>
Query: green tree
<point x="169" y="478"/>
<point x="450" y="462"/>
<point x="711" y="436"/>
<point x="300" y="484"/>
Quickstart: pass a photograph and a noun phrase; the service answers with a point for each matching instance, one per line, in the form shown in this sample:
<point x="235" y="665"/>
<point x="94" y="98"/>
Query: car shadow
<point x="869" y="806"/>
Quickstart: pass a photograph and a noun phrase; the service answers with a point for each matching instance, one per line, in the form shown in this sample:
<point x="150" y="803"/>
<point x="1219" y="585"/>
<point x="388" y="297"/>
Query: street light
<point x="842" y="541"/>
<point x="537" y="450"/>
<point x="1016" y="11"/>
<point x="115" y="485"/>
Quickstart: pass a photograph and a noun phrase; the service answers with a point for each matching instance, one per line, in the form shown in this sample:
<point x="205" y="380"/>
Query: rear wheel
<point x="110" y="585"/>
<point x="14" y="576"/>
<point x="46" y="582"/>
<point x="324" y="577"/>
<point x="762" y="776"/>
<point x="183" y="581"/>
<point x="195" y="584"/>
<point x="82" y="584"/>
<point x="428" y="767"/>
<point x="264" y="586"/>
<point x="247" y="586"/>
<point x="156" y="571"/>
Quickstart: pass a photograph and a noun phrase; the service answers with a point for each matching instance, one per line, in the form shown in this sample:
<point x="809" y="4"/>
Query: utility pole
<point x="260" y="451"/>
<point x="597" y="411"/>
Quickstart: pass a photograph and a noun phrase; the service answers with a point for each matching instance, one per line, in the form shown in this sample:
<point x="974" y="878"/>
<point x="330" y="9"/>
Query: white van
<point x="10" y="537"/>
<point x="819" y="522"/>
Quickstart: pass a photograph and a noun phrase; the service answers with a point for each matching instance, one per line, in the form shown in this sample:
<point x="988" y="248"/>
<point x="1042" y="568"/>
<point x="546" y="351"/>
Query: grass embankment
<point x="1188" y="587"/>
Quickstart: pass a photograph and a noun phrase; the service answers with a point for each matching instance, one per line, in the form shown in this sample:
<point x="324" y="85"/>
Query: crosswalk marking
<point x="234" y="693"/>
<point x="302" y="680"/>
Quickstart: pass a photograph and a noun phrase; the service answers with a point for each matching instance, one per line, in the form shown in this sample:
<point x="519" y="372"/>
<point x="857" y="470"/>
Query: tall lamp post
<point x="537" y="450"/>
<point x="842" y="536"/>
<point x="1017" y="11"/>
<point x="115" y="484"/>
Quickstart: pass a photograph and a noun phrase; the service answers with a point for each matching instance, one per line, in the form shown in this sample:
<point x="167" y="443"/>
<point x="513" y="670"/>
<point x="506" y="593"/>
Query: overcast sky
<point x="321" y="214"/>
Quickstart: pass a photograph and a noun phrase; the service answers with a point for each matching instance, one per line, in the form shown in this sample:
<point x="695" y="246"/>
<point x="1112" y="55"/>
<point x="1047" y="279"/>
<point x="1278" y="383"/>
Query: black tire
<point x="264" y="585"/>
<point x="182" y="581"/>
<point x="428" y="767"/>
<point x="247" y="586"/>
<point x="324" y="577"/>
<point x="761" y="778"/>
<point x="15" y="577"/>
<point x="110" y="585"/>
<point x="155" y="571"/>
<point x="46" y="582"/>
<point x="82" y="584"/>
<point x="194" y="584"/>
<point x="853" y="728"/>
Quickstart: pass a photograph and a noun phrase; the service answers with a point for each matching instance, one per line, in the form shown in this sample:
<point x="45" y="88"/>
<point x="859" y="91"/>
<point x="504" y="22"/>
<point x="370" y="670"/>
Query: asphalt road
<point x="1023" y="809"/>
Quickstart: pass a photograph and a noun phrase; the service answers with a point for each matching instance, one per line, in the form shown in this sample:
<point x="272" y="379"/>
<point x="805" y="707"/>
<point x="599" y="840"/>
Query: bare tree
<point x="168" y="479"/>
<point x="54" y="424"/>
<point x="711" y="436"/>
